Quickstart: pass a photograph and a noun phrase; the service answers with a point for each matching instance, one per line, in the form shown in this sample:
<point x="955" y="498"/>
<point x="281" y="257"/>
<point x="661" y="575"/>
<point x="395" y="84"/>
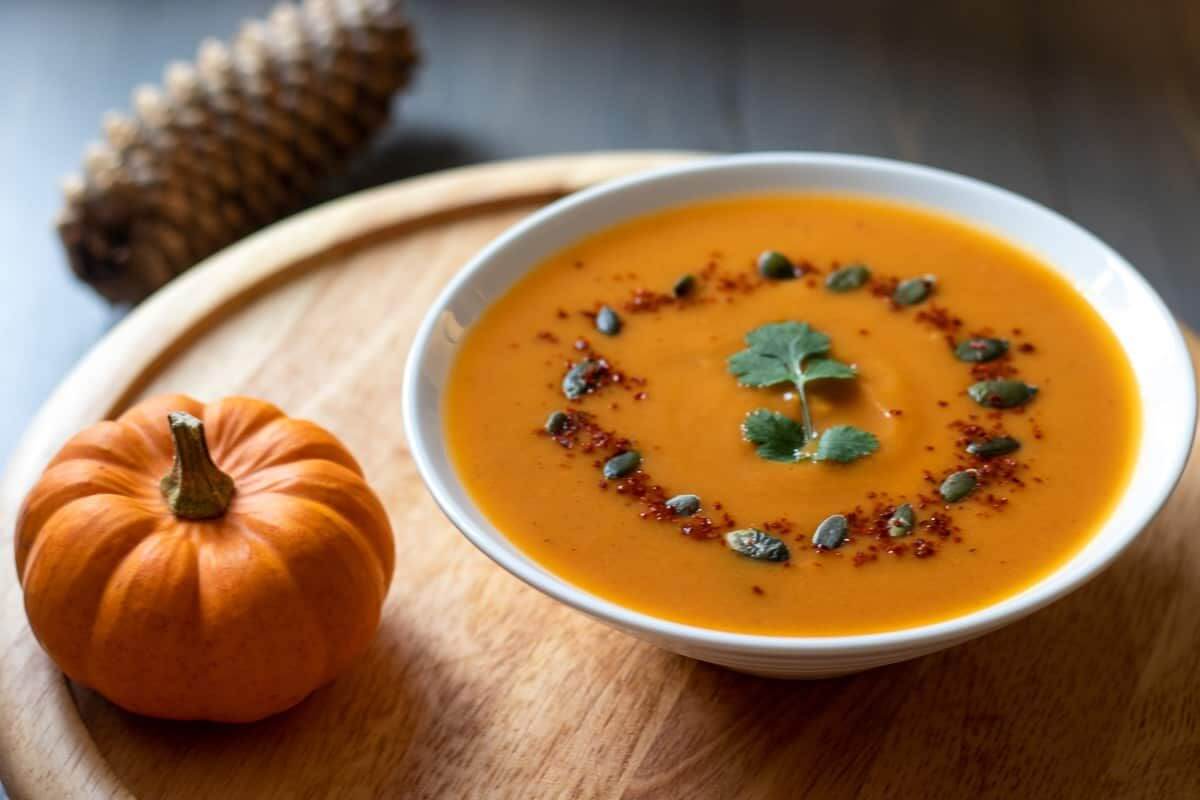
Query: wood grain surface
<point x="478" y="686"/>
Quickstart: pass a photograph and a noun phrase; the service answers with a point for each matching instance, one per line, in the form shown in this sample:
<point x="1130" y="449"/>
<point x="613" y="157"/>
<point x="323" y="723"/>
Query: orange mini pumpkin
<point x="188" y="586"/>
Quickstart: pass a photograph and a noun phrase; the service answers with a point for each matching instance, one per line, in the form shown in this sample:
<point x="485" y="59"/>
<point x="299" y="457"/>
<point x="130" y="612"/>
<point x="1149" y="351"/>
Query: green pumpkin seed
<point x="753" y="543"/>
<point x="990" y="448"/>
<point x="980" y="349"/>
<point x="684" y="505"/>
<point x="581" y="379"/>
<point x="621" y="465"/>
<point x="557" y="422"/>
<point x="902" y="521"/>
<point x="847" y="279"/>
<point x="959" y="485"/>
<point x="912" y="291"/>
<point x="684" y="286"/>
<point x="831" y="533"/>
<point x="607" y="321"/>
<point x="1002" y="393"/>
<point x="776" y="266"/>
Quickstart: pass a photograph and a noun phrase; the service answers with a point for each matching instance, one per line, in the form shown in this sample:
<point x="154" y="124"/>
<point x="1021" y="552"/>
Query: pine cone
<point x="233" y="142"/>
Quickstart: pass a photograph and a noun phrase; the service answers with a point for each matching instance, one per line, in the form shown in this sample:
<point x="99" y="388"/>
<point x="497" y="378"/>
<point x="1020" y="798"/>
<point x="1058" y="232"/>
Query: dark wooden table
<point x="1091" y="108"/>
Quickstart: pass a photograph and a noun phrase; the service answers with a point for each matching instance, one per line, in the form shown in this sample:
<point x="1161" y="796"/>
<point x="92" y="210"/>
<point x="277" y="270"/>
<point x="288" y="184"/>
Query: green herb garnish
<point x="792" y="352"/>
<point x="779" y="438"/>
<point x="787" y="352"/>
<point x="845" y="443"/>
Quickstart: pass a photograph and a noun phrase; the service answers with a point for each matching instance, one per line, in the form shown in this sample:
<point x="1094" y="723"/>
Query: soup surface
<point x="663" y="386"/>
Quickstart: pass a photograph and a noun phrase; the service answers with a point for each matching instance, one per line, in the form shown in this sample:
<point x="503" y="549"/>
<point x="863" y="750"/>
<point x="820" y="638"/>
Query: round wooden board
<point x="478" y="686"/>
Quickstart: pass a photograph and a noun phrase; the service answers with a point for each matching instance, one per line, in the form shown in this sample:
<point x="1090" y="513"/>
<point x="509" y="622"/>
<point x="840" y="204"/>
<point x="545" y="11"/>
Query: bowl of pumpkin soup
<point x="800" y="414"/>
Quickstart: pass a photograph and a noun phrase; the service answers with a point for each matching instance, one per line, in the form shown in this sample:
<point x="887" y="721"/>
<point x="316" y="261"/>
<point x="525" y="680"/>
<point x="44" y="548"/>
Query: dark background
<point x="1092" y="108"/>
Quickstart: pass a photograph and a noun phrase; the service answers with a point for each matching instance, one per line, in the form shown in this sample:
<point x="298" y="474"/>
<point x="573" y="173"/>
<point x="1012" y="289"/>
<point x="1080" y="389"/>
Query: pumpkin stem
<point x="194" y="488"/>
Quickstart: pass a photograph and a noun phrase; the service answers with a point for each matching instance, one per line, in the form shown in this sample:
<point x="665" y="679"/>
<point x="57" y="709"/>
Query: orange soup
<point x="794" y="415"/>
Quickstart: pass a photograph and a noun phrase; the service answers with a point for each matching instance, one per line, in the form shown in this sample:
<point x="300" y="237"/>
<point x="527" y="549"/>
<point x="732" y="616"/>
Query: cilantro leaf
<point x="755" y="369"/>
<point x="778" y="437"/>
<point x="796" y="339"/>
<point x="776" y="353"/>
<point x="845" y="443"/>
<point x="792" y="352"/>
<point x="820" y="368"/>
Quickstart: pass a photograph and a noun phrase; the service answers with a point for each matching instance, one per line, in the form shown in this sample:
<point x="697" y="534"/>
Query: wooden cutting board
<point x="478" y="686"/>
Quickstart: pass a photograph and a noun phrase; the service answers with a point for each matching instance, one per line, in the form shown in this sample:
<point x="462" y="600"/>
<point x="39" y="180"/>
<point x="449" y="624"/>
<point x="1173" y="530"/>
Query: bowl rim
<point x="1049" y="588"/>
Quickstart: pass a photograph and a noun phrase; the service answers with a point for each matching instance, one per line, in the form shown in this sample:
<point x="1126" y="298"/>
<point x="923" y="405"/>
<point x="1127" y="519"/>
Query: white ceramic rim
<point x="1063" y="580"/>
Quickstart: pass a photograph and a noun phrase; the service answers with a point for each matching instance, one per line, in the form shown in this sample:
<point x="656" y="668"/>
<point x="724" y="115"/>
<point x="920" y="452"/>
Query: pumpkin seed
<point x="902" y="521"/>
<point x="607" y="321"/>
<point x="912" y="291"/>
<point x="684" y="286"/>
<point x="684" y="505"/>
<point x="847" y="279"/>
<point x="1002" y="393"/>
<point x="622" y="464"/>
<point x="776" y="266"/>
<point x="980" y="349"/>
<point x="581" y="379"/>
<point x="831" y="533"/>
<point x="990" y="448"/>
<point x="959" y="485"/>
<point x="556" y="423"/>
<point x="753" y="543"/>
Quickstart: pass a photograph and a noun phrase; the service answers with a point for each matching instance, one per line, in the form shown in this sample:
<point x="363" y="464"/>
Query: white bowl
<point x="1144" y="325"/>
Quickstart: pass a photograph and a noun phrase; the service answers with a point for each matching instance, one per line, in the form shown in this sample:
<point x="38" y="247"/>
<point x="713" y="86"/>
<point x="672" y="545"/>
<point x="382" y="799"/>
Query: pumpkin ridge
<point x="383" y="558"/>
<point x="162" y="526"/>
<point x="60" y="483"/>
<point x="242" y="526"/>
<point x="138" y="488"/>
<point x="225" y="439"/>
<point x="154" y="445"/>
<point x="35" y="547"/>
<point x="266" y="482"/>
<point x="137" y="531"/>
<point x="96" y="444"/>
<point x="25" y="550"/>
<point x="158" y="527"/>
<point x="157" y="435"/>
<point x="268" y="454"/>
<point x="346" y="529"/>
<point x="273" y="479"/>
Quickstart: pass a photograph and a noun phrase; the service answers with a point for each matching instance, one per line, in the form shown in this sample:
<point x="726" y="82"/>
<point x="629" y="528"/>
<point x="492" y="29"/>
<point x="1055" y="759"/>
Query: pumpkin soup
<point x="794" y="415"/>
